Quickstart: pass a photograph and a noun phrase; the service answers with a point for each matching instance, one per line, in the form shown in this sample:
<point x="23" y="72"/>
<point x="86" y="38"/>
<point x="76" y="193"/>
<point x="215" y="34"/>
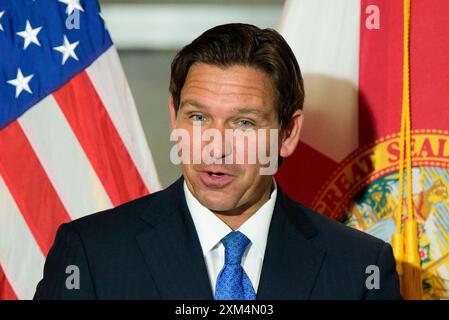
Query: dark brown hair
<point x="245" y="44"/>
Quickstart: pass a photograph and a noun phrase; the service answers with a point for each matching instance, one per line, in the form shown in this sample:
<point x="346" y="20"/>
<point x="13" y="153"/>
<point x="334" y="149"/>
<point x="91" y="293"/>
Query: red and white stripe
<point x="325" y="38"/>
<point x="324" y="35"/>
<point x="78" y="151"/>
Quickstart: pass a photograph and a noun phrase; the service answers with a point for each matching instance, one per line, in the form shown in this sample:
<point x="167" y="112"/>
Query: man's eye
<point x="197" y="117"/>
<point x="246" y="123"/>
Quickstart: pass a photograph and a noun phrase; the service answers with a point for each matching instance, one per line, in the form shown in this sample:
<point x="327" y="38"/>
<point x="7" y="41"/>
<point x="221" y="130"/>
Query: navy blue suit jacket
<point x="149" y="249"/>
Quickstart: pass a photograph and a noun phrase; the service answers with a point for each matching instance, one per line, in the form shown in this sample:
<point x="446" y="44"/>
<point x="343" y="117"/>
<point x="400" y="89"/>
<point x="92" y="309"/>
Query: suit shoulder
<point x="336" y="233"/>
<point x="123" y="216"/>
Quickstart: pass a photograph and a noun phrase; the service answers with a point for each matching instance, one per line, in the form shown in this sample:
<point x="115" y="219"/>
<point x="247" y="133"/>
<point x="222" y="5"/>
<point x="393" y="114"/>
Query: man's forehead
<point x="234" y="77"/>
<point x="242" y="87"/>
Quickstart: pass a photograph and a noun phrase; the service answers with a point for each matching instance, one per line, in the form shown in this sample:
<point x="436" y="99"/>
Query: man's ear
<point x="171" y="108"/>
<point x="290" y="135"/>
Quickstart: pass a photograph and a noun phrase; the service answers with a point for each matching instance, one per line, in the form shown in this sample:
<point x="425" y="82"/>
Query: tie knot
<point x="235" y="244"/>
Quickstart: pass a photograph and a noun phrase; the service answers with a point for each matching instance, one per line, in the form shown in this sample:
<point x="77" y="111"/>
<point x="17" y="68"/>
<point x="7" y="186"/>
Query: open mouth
<point x="214" y="179"/>
<point x="215" y="174"/>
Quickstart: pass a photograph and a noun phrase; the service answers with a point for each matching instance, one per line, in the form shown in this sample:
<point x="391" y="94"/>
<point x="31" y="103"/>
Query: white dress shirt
<point x="212" y="229"/>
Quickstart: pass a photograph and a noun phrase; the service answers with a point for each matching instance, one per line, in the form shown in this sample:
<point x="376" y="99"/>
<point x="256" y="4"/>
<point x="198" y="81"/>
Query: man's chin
<point x="216" y="203"/>
<point x="217" y="207"/>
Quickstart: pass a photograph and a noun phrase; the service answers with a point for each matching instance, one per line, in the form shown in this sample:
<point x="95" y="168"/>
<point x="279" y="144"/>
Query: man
<point x="224" y="230"/>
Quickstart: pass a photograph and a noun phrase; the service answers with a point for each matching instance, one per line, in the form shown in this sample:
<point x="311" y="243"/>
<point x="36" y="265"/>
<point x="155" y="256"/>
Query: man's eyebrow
<point x="248" y="110"/>
<point x="192" y="103"/>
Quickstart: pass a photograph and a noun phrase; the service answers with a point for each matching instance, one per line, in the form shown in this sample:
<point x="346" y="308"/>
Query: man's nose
<point x="221" y="144"/>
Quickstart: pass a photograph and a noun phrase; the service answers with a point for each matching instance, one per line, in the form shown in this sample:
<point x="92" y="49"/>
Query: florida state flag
<point x="352" y="56"/>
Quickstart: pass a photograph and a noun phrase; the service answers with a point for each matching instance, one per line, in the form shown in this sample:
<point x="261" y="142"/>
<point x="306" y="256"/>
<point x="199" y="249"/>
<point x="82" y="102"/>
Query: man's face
<point x="236" y="97"/>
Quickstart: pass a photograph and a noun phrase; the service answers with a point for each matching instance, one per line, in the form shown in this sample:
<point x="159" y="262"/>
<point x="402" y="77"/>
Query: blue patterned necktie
<point x="232" y="281"/>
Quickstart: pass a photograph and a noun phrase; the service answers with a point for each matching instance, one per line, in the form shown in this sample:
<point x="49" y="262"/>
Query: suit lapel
<point x="293" y="256"/>
<point x="173" y="253"/>
<point x="172" y="249"/>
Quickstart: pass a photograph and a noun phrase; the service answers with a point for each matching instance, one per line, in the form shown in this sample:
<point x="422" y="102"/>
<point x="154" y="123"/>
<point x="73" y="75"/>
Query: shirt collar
<point x="212" y="229"/>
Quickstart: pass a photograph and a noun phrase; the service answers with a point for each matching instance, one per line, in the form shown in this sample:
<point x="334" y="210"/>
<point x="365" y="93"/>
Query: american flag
<point x="70" y="138"/>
